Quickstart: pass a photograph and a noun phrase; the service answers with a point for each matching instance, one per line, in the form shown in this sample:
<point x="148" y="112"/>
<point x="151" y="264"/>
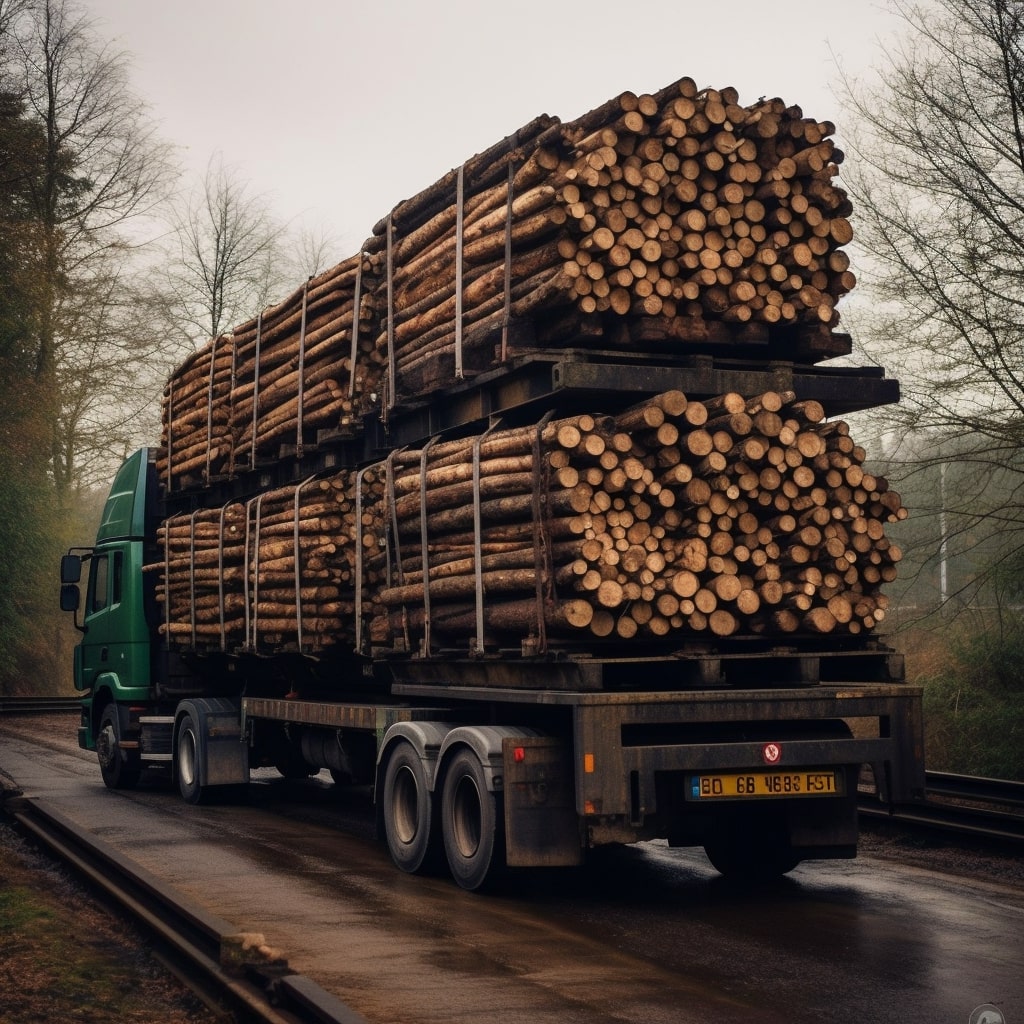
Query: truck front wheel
<point x="187" y="761"/>
<point x="473" y="823"/>
<point x="120" y="769"/>
<point x="409" y="820"/>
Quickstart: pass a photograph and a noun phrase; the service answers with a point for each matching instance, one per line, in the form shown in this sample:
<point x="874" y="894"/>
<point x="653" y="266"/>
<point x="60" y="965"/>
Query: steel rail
<point x="1002" y="792"/>
<point x="963" y="821"/>
<point x="38" y="705"/>
<point x="971" y="806"/>
<point x="256" y="989"/>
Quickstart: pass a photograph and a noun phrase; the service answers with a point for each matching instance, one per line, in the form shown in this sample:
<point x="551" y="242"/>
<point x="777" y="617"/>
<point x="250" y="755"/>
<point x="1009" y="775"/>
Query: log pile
<point x="676" y="517"/>
<point x="654" y="221"/>
<point x="202" y="577"/>
<point x="278" y="572"/>
<point x="680" y="217"/>
<point x="306" y="364"/>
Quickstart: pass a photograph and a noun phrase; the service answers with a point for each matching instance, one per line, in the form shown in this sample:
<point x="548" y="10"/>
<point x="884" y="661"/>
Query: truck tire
<point x="120" y="770"/>
<point x="410" y="825"/>
<point x="473" y="824"/>
<point x="754" y="854"/>
<point x="295" y="768"/>
<point x="187" y="763"/>
<point x="751" y="865"/>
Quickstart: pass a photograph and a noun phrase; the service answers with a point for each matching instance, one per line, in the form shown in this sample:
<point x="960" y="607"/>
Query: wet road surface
<point x="644" y="934"/>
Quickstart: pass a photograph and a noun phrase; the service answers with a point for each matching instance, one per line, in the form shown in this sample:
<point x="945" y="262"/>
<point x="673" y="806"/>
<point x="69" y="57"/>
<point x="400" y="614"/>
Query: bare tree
<point x="101" y="165"/>
<point x="78" y="161"/>
<point x="937" y="178"/>
<point x="119" y="347"/>
<point x="314" y="249"/>
<point x="10" y="11"/>
<point x="226" y="256"/>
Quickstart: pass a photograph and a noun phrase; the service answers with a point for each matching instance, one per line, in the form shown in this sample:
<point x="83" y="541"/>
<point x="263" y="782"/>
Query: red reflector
<point x="519" y="754"/>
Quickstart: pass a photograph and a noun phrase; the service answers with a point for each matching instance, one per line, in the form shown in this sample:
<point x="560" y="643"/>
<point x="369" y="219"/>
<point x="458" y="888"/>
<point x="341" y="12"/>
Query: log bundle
<point x="678" y="217"/>
<point x="672" y="520"/>
<point x="277" y="572"/>
<point x="662" y="222"/>
<point x="675" y="518"/>
<point x="304" y="366"/>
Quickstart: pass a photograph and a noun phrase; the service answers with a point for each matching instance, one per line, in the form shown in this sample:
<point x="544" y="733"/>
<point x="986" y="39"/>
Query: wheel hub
<point x="106" y="747"/>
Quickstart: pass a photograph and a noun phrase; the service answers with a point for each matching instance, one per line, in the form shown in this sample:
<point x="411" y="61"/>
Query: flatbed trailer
<point x="532" y="755"/>
<point x="761" y="779"/>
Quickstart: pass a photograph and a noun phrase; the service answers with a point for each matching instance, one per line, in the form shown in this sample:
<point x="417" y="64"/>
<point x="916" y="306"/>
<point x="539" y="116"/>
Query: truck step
<point x="156" y="737"/>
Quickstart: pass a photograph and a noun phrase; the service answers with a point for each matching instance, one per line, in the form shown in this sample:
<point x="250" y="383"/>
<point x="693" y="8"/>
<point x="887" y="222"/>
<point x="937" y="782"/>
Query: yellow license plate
<point x="757" y="785"/>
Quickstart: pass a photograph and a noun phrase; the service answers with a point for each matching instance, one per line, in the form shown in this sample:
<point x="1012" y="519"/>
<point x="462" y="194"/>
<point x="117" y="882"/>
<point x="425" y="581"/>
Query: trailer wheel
<point x="187" y="761"/>
<point x="119" y="769"/>
<point x="473" y="824"/>
<point x="295" y="768"/>
<point x="746" y="857"/>
<point x="409" y="820"/>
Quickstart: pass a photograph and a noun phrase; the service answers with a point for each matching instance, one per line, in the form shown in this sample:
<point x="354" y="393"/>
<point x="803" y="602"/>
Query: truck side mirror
<point x="70" y="572"/>
<point x="70" y="598"/>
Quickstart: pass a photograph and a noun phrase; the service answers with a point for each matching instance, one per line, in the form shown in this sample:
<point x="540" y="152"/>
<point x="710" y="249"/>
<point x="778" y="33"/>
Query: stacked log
<point x="307" y="364"/>
<point x="735" y="515"/>
<point x="697" y="206"/>
<point x="277" y="572"/>
<point x="773" y="525"/>
<point x="668" y="219"/>
<point x="197" y="442"/>
<point x="465" y="254"/>
<point x="674" y="519"/>
<point x="659" y="225"/>
<point x="496" y="502"/>
<point x="202" y="578"/>
<point x="680" y="216"/>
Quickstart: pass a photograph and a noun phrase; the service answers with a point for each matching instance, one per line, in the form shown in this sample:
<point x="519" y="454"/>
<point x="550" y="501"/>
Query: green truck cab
<point x="113" y="662"/>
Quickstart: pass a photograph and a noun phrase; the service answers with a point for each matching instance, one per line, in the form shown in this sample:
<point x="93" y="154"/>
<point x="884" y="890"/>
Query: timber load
<point x="666" y="220"/>
<point x="652" y="233"/>
<point x="672" y="520"/>
<point x="303" y="365"/>
<point x="668" y="224"/>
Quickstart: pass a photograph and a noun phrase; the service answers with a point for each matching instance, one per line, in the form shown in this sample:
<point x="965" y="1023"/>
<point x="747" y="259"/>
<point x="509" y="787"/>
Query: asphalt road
<point x="644" y="934"/>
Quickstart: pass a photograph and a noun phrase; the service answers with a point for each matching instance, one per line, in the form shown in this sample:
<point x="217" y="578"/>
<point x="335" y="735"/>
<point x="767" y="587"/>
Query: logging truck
<point x="538" y="516"/>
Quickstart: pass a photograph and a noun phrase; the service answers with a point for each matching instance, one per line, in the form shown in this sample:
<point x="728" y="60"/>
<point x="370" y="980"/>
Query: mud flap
<point x="223" y="753"/>
<point x="828" y="827"/>
<point x="541" y="825"/>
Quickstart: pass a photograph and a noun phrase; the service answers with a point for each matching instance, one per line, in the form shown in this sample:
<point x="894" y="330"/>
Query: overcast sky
<point x="340" y="109"/>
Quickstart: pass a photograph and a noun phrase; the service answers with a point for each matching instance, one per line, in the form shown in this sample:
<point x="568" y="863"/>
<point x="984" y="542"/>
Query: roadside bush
<point x="974" y="702"/>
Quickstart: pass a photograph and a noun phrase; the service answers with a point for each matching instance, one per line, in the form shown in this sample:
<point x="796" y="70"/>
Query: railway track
<point x="37" y="705"/>
<point x="227" y="970"/>
<point x="965" y="805"/>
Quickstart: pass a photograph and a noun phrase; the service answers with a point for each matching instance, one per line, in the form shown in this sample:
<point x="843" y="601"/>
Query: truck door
<point x="111" y="646"/>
